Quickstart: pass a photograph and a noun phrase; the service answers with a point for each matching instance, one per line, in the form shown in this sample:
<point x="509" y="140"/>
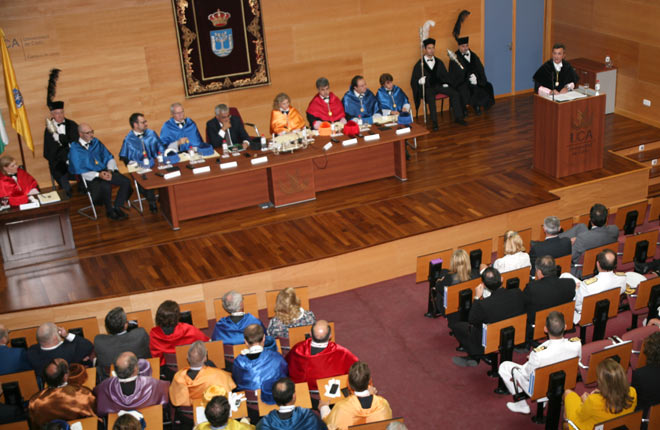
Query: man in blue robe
<point x="89" y="158"/>
<point x="180" y="132"/>
<point x="230" y="328"/>
<point x="140" y="144"/>
<point x="288" y="415"/>
<point x="391" y="97"/>
<point x="258" y="368"/>
<point x="359" y="102"/>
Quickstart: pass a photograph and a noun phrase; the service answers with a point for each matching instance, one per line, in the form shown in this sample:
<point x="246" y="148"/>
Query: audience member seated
<point x="57" y="342"/>
<point x="288" y="415"/>
<point x="390" y="97"/>
<point x="170" y="333"/>
<point x="15" y="183"/>
<point x="12" y="360"/>
<point x="553" y="245"/>
<point x="217" y="413"/>
<point x="502" y="304"/>
<point x="258" y="368"/>
<point x="89" y="158"/>
<point x="129" y="389"/>
<point x="515" y="256"/>
<point x="555" y="349"/>
<point x="646" y="380"/>
<point x="230" y="328"/>
<point x="60" y="400"/>
<point x="179" y="132"/>
<point x="288" y="313"/>
<point x="362" y="406"/>
<point x="190" y="382"/>
<point x="128" y="421"/>
<point x="284" y="117"/>
<point x="597" y="234"/>
<point x="119" y="339"/>
<point x="325" y="106"/>
<point x="359" y="102"/>
<point x="460" y="270"/>
<point x="546" y="291"/>
<point x="318" y="357"/>
<point x="606" y="279"/>
<point x="613" y="397"/>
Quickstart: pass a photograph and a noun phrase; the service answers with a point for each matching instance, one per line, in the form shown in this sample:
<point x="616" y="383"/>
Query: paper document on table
<point x="571" y="95"/>
<point x="51" y="197"/>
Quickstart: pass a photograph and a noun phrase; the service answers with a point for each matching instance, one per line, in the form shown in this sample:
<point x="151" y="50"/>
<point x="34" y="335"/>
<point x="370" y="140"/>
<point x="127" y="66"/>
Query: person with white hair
<point x="552" y="245"/>
<point x="179" y="130"/>
<point x="230" y="328"/>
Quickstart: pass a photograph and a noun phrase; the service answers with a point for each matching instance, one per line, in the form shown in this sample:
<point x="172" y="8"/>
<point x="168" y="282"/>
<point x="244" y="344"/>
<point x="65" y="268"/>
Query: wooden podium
<point x="568" y="136"/>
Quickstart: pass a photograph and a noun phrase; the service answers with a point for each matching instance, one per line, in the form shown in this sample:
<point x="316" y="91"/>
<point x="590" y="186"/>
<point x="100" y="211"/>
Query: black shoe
<point x="460" y="349"/>
<point x="119" y="214"/>
<point x="435" y="126"/>
<point x="465" y="361"/>
<point x="460" y="121"/>
<point x="153" y="207"/>
<point x="487" y="360"/>
<point x="113" y="215"/>
<point x="477" y="110"/>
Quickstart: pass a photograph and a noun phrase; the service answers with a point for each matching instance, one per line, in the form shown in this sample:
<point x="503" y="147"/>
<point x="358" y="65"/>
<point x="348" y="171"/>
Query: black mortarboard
<point x="429" y="41"/>
<point x="56" y="105"/>
<point x="462" y="40"/>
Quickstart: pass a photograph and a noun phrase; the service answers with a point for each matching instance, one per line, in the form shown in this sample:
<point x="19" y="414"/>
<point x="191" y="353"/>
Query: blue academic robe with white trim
<point x="259" y="373"/>
<point x="230" y="332"/>
<point x="171" y="132"/>
<point x="397" y="98"/>
<point x="352" y="105"/>
<point x="132" y="149"/>
<point x="83" y="160"/>
<point x="301" y="418"/>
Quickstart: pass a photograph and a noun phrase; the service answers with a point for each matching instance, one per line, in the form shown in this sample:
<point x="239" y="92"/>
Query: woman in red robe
<point x="170" y="333"/>
<point x="15" y="183"/>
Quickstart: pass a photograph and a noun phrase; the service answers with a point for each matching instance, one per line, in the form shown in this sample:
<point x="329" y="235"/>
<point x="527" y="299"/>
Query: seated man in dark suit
<point x="553" y="245"/>
<point x="224" y="128"/>
<point x="502" y="304"/>
<point x="12" y="360"/>
<point x="546" y="291"/>
<point x="57" y="342"/>
<point x="646" y="380"/>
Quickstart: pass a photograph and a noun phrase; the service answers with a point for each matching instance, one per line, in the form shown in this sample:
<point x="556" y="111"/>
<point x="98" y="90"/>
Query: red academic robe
<point x="319" y="109"/>
<point x="183" y="334"/>
<point x="304" y="367"/>
<point x="17" y="191"/>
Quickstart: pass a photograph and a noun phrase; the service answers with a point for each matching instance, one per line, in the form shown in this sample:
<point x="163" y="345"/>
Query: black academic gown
<point x="546" y="76"/>
<point x="57" y="153"/>
<point x="435" y="78"/>
<point x="475" y="95"/>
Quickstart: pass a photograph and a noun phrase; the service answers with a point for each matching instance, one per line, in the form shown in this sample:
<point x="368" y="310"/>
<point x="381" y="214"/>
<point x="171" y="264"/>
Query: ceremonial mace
<point x="423" y="35"/>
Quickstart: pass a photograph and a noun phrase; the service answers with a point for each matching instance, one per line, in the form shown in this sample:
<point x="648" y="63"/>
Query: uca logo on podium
<point x="222" y="41"/>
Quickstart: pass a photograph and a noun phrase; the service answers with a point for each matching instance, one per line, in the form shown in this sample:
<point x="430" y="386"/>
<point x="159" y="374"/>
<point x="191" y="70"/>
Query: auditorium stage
<point x="464" y="184"/>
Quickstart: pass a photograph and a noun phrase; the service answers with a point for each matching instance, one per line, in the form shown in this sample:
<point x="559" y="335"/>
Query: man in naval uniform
<point x="555" y="76"/>
<point x="516" y="377"/>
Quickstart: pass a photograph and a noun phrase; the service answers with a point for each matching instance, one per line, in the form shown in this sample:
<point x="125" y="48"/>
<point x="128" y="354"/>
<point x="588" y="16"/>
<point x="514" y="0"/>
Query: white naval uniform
<point x="602" y="282"/>
<point x="551" y="351"/>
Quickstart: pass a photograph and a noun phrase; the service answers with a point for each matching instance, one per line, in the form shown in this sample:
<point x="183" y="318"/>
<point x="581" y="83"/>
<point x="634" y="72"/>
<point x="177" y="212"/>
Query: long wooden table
<point x="286" y="178"/>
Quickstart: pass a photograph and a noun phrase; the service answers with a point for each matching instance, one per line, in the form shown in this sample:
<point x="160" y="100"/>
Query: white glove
<point x="570" y="86"/>
<point x="235" y="400"/>
<point x="331" y="383"/>
<point x="445" y="85"/>
<point x="422" y="80"/>
<point x="473" y="79"/>
<point x="56" y="136"/>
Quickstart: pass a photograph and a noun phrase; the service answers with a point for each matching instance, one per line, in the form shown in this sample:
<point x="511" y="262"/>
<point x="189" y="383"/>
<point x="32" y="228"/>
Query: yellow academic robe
<point x="585" y="415"/>
<point x="348" y="412"/>
<point x="280" y="123"/>
<point x="231" y="425"/>
<point x="183" y="389"/>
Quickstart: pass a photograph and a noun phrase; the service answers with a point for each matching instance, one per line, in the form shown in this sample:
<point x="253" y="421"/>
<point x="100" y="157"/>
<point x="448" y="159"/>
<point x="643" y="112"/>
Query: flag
<point x="4" y="139"/>
<point x="17" y="114"/>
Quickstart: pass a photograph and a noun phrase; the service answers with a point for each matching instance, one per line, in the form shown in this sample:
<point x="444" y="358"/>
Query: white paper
<point x="171" y="175"/>
<point x="200" y="415"/>
<point x="403" y="130"/>
<point x="371" y="137"/>
<point x="204" y="169"/>
<point x="259" y="160"/>
<point x="229" y="165"/>
<point x="349" y="142"/>
<point x="31" y="205"/>
<point x="571" y="95"/>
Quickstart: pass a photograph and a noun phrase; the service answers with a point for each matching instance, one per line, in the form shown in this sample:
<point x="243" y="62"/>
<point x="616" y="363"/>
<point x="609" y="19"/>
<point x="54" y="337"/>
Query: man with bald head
<point x="191" y="382"/>
<point x="130" y="389"/>
<point x="57" y="342"/>
<point x="60" y="400"/>
<point x="89" y="158"/>
<point x="318" y="357"/>
<point x="12" y="360"/>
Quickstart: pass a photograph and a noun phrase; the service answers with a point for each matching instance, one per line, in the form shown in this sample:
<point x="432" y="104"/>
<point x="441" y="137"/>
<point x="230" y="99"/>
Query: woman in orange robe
<point x="284" y="117"/>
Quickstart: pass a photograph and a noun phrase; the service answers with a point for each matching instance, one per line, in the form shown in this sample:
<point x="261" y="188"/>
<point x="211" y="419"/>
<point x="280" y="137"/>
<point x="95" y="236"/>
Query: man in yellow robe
<point x="363" y="406"/>
<point x="284" y="117"/>
<point x="217" y="414"/>
<point x="190" y="382"/>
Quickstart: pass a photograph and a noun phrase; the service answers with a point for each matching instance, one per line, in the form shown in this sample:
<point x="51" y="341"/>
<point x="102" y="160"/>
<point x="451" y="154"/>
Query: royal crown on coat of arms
<point x="219" y="18"/>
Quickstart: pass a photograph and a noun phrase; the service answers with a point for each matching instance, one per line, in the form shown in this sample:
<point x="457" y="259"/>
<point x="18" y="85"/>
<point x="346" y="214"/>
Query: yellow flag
<point x="17" y="114"/>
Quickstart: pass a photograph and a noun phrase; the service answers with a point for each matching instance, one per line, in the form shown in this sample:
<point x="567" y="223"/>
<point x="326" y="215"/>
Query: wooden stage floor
<point x="457" y="175"/>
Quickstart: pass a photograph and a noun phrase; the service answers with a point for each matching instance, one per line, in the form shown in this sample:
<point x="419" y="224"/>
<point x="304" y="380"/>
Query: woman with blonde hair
<point x="515" y="256"/>
<point x="460" y="270"/>
<point x="284" y="117"/>
<point x="288" y="313"/>
<point x="613" y="397"/>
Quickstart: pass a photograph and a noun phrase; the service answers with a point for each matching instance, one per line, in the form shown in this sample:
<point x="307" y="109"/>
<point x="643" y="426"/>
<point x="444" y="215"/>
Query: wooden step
<point x="635" y="149"/>
<point x="645" y="156"/>
<point x="654" y="190"/>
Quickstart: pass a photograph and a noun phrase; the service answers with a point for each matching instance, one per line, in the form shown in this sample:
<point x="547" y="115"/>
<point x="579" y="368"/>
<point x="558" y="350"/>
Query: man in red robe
<point x="325" y="106"/>
<point x="317" y="357"/>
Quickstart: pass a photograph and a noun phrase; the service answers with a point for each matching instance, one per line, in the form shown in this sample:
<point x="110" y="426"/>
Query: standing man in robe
<point x="359" y="102"/>
<point x="180" y="132"/>
<point x="142" y="144"/>
<point x="391" y="97"/>
<point x="436" y="80"/>
<point x="555" y="76"/>
<point x="324" y="106"/>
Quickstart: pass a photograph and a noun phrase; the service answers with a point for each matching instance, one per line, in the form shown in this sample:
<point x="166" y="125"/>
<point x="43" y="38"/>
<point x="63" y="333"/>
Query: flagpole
<point x="20" y="145"/>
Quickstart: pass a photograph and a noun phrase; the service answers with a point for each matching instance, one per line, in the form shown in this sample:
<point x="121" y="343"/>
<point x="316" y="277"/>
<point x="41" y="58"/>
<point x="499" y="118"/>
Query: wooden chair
<point x="89" y="423"/>
<point x="240" y="413"/>
<point x="622" y="350"/>
<point x="584" y="219"/>
<point x="565" y="263"/>
<point x="378" y="425"/>
<point x="153" y="417"/>
<point x="30" y="335"/>
<point x="302" y="399"/>
<point x="91" y="378"/>
<point x="486" y="247"/>
<point x="567" y="309"/>
<point x="631" y="241"/>
<point x="641" y="361"/>
<point x="525" y="235"/>
<point x="343" y="384"/>
<point x="638" y="336"/>
<point x="236" y="349"/>
<point x="27" y="382"/>
<point x="539" y="381"/>
<point x="564" y="224"/>
<point x="250" y="306"/>
<point x="654" y="417"/>
<point x="271" y="297"/>
<point x="629" y="421"/>
<point x="499" y="347"/>
<point x="589" y="308"/>
<point x="154" y="362"/>
<point x="216" y="354"/>
<point x="198" y="313"/>
<point x="300" y="333"/>
<point x="422" y="272"/>
<point x="89" y="326"/>
<point x="522" y="274"/>
<point x="452" y="292"/>
<point x="639" y="300"/>
<point x="20" y="425"/>
<point x="589" y="261"/>
<point x="654" y="211"/>
<point x="144" y="319"/>
<point x="623" y="211"/>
